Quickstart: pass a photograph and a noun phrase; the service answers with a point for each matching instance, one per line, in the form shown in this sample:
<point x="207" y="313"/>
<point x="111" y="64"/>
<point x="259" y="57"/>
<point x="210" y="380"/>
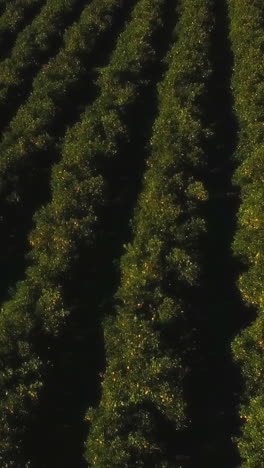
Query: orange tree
<point x="36" y="313"/>
<point x="14" y="16"/>
<point x="31" y="141"/>
<point x="29" y="133"/>
<point x="247" y="39"/>
<point x="33" y="45"/>
<point x="142" y="404"/>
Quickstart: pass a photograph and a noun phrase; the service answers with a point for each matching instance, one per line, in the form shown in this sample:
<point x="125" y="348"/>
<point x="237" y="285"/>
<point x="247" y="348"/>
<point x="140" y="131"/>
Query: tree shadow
<point x="214" y="384"/>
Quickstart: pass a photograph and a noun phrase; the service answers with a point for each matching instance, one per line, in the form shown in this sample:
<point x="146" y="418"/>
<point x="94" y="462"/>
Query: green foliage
<point x="15" y="13"/>
<point x="30" y="132"/>
<point x="36" y="311"/>
<point x="247" y="39"/>
<point x="143" y="413"/>
<point x="142" y="389"/>
<point x="253" y="432"/>
<point x="32" y="44"/>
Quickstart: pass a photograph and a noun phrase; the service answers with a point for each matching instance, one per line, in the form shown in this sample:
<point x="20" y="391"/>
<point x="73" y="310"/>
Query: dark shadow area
<point x="214" y="384"/>
<point x="17" y="97"/>
<point x="78" y="356"/>
<point x="8" y="37"/>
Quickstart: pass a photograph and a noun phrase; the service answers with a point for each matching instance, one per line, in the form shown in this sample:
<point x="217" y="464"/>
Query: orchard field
<point x="132" y="233"/>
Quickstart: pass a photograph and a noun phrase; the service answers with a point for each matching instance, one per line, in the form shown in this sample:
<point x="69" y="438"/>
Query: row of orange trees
<point x="143" y="412"/>
<point x="143" y="416"/>
<point x="14" y="17"/>
<point x="32" y="47"/>
<point x="30" y="142"/>
<point x="36" y="311"/>
<point x="247" y="39"/>
<point x="30" y="131"/>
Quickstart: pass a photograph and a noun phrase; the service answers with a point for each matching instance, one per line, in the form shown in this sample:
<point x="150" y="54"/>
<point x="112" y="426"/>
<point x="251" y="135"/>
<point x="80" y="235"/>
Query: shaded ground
<point x="216" y="383"/>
